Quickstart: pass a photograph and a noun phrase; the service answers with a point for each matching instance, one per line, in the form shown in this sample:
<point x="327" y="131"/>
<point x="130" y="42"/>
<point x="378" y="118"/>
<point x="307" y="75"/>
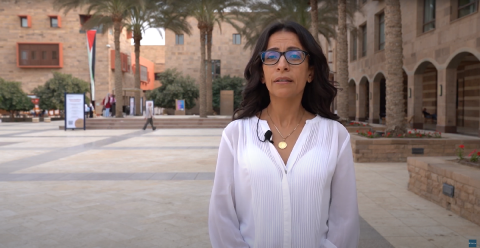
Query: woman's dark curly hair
<point x="317" y="96"/>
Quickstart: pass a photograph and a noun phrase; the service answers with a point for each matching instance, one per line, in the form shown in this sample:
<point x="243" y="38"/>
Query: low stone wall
<point x="398" y="149"/>
<point x="428" y="174"/>
<point x="353" y="129"/>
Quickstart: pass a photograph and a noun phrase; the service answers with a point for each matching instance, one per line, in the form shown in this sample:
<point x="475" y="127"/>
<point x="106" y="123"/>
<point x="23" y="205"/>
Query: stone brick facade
<point x="437" y="64"/>
<point x="75" y="55"/>
<point x="428" y="174"/>
<point x="398" y="149"/>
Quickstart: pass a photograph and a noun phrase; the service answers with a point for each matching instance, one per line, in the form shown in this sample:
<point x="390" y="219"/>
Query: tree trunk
<point x="118" y="71"/>
<point x="394" y="77"/>
<point x="209" y="72"/>
<point x="203" y="88"/>
<point x="342" y="61"/>
<point x="314" y="17"/>
<point x="137" y="37"/>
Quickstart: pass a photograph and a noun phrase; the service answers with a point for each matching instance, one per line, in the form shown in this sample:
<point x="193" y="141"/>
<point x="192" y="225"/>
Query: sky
<point x="152" y="37"/>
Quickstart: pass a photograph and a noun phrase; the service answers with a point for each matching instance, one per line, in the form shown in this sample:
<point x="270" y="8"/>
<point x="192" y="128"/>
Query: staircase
<point x="159" y="123"/>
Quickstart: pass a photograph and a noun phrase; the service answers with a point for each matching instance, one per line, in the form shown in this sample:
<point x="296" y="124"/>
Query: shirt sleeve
<point x="223" y="224"/>
<point x="343" y="218"/>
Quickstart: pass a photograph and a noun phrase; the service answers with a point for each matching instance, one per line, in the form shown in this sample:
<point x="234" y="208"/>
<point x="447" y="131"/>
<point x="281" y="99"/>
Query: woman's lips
<point x="282" y="80"/>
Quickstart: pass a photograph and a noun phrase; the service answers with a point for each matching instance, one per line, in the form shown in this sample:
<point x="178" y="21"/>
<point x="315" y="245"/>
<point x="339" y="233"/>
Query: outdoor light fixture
<point x="409" y="92"/>
<point x="448" y="190"/>
<point x="441" y="89"/>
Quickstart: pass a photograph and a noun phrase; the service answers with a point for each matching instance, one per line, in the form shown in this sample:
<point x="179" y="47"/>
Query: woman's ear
<point x="310" y="74"/>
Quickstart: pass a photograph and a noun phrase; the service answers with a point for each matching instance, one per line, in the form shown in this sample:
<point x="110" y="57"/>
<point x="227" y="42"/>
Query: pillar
<point x="446" y="105"/>
<point x="361" y="101"/>
<point x="415" y="99"/>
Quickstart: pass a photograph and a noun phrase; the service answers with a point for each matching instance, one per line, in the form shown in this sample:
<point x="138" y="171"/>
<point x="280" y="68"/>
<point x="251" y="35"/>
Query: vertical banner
<point x="74" y="111"/>
<point x="91" y="41"/>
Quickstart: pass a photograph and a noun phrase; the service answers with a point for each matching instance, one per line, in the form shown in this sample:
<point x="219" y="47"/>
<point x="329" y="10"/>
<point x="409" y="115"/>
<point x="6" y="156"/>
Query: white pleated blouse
<point x="258" y="201"/>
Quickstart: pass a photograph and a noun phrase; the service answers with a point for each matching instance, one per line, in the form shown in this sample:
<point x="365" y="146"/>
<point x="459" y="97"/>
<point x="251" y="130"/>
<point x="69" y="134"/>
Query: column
<point x="374" y="97"/>
<point x="446" y="106"/>
<point x="361" y="101"/>
<point x="415" y="99"/>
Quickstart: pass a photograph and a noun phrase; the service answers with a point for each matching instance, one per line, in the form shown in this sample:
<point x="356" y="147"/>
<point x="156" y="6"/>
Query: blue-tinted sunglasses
<point x="293" y="57"/>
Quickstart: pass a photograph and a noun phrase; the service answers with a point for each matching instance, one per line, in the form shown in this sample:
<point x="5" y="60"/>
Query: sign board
<point x="74" y="111"/>
<point x="180" y="104"/>
<point x="132" y="105"/>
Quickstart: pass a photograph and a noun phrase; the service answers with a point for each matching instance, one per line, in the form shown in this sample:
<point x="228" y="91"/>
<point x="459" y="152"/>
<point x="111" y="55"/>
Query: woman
<point x="296" y="189"/>
<point x="106" y="105"/>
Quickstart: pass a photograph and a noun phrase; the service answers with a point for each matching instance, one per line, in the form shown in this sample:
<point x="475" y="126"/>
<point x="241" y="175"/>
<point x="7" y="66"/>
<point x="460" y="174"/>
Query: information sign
<point x="74" y="111"/>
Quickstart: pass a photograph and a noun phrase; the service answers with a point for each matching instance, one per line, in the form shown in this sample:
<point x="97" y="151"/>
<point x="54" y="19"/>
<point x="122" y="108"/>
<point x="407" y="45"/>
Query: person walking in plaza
<point x="113" y="105"/>
<point x="92" y="110"/>
<point x="285" y="175"/>
<point x="106" y="105"/>
<point x="87" y="110"/>
<point x="149" y="116"/>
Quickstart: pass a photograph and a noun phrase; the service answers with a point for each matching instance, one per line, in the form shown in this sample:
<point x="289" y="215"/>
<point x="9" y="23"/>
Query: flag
<point x="91" y="40"/>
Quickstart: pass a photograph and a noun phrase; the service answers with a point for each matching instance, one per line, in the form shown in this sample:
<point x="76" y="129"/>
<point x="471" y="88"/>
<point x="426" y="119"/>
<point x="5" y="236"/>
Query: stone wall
<point x="398" y="149"/>
<point x="75" y="55"/>
<point x="428" y="174"/>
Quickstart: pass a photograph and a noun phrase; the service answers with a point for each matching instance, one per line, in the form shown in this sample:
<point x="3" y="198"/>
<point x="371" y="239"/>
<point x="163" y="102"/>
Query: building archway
<point x="378" y="101"/>
<point x="464" y="70"/>
<point x="363" y="109"/>
<point x="425" y="87"/>
<point x="352" y="102"/>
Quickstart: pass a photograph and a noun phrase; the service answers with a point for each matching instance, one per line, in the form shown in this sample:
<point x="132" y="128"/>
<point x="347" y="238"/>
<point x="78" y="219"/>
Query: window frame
<point x="59" y="22"/>
<point x="424" y="16"/>
<point x="177" y="39"/>
<point x="459" y="8"/>
<point x="354" y="45"/>
<point x="234" y="39"/>
<point x="28" y="19"/>
<point x="39" y="55"/>
<point x="380" y="44"/>
<point x="364" y="50"/>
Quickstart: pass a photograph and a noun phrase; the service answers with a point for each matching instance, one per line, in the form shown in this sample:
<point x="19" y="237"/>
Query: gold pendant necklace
<point x="283" y="144"/>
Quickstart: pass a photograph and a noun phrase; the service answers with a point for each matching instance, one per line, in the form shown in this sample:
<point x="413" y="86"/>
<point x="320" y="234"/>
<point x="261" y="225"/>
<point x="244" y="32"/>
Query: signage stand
<point x="74" y="111"/>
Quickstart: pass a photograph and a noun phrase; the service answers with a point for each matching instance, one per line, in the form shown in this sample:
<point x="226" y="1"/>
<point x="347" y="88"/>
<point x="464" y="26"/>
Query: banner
<point x="74" y="111"/>
<point x="180" y="104"/>
<point x="91" y="44"/>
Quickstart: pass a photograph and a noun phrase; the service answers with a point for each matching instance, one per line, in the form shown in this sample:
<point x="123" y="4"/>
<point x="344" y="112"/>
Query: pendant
<point x="282" y="145"/>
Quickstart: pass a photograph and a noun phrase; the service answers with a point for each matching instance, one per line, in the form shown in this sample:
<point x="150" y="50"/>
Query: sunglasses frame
<point x="283" y="54"/>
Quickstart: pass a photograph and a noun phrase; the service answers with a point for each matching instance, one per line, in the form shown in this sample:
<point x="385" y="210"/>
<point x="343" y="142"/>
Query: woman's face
<point x="284" y="80"/>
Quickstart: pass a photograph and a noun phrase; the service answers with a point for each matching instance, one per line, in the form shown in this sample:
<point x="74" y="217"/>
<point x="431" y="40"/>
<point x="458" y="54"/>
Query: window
<point x="215" y="69"/>
<point x="143" y="73"/>
<point x="381" y="31"/>
<point x="179" y="39"/>
<point x="157" y="76"/>
<point x="237" y="39"/>
<point x="25" y="21"/>
<point x="428" y="15"/>
<point x="353" y="45"/>
<point x="124" y="61"/>
<point x="364" y="39"/>
<point x="466" y="7"/>
<point x="39" y="55"/>
<point x="54" y="22"/>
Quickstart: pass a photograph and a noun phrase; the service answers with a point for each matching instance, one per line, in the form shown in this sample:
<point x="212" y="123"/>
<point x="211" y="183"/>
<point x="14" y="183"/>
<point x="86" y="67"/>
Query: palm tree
<point x="156" y="14"/>
<point x="208" y="13"/>
<point x="108" y="13"/>
<point x="342" y="61"/>
<point x="314" y="17"/>
<point x="263" y="13"/>
<point x="394" y="76"/>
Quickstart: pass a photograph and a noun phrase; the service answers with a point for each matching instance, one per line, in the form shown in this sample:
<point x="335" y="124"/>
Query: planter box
<point x="47" y="119"/>
<point x="35" y="119"/>
<point x="398" y="149"/>
<point x="428" y="174"/>
<point x="353" y="129"/>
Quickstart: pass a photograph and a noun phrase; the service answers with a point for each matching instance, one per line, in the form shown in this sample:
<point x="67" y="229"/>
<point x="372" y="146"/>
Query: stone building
<point x="38" y="39"/>
<point x="441" y="49"/>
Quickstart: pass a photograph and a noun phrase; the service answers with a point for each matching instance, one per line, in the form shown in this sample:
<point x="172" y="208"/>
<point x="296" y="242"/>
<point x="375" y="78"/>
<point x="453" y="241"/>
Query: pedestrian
<point x="284" y="175"/>
<point x="106" y="105"/>
<point x="149" y="116"/>
<point x="113" y="101"/>
<point x="92" y="110"/>
<point x="87" y="111"/>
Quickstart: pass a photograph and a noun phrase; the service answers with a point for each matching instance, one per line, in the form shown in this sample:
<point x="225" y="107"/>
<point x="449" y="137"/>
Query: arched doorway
<point x="352" y="103"/>
<point x="363" y="100"/>
<point x="378" y="100"/>
<point x="467" y="93"/>
<point x="425" y="94"/>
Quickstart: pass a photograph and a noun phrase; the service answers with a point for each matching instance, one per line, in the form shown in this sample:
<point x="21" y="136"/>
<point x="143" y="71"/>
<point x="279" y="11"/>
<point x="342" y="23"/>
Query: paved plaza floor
<point x="135" y="188"/>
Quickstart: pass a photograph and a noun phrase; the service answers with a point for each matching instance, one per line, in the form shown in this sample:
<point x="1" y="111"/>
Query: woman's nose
<point x="283" y="64"/>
